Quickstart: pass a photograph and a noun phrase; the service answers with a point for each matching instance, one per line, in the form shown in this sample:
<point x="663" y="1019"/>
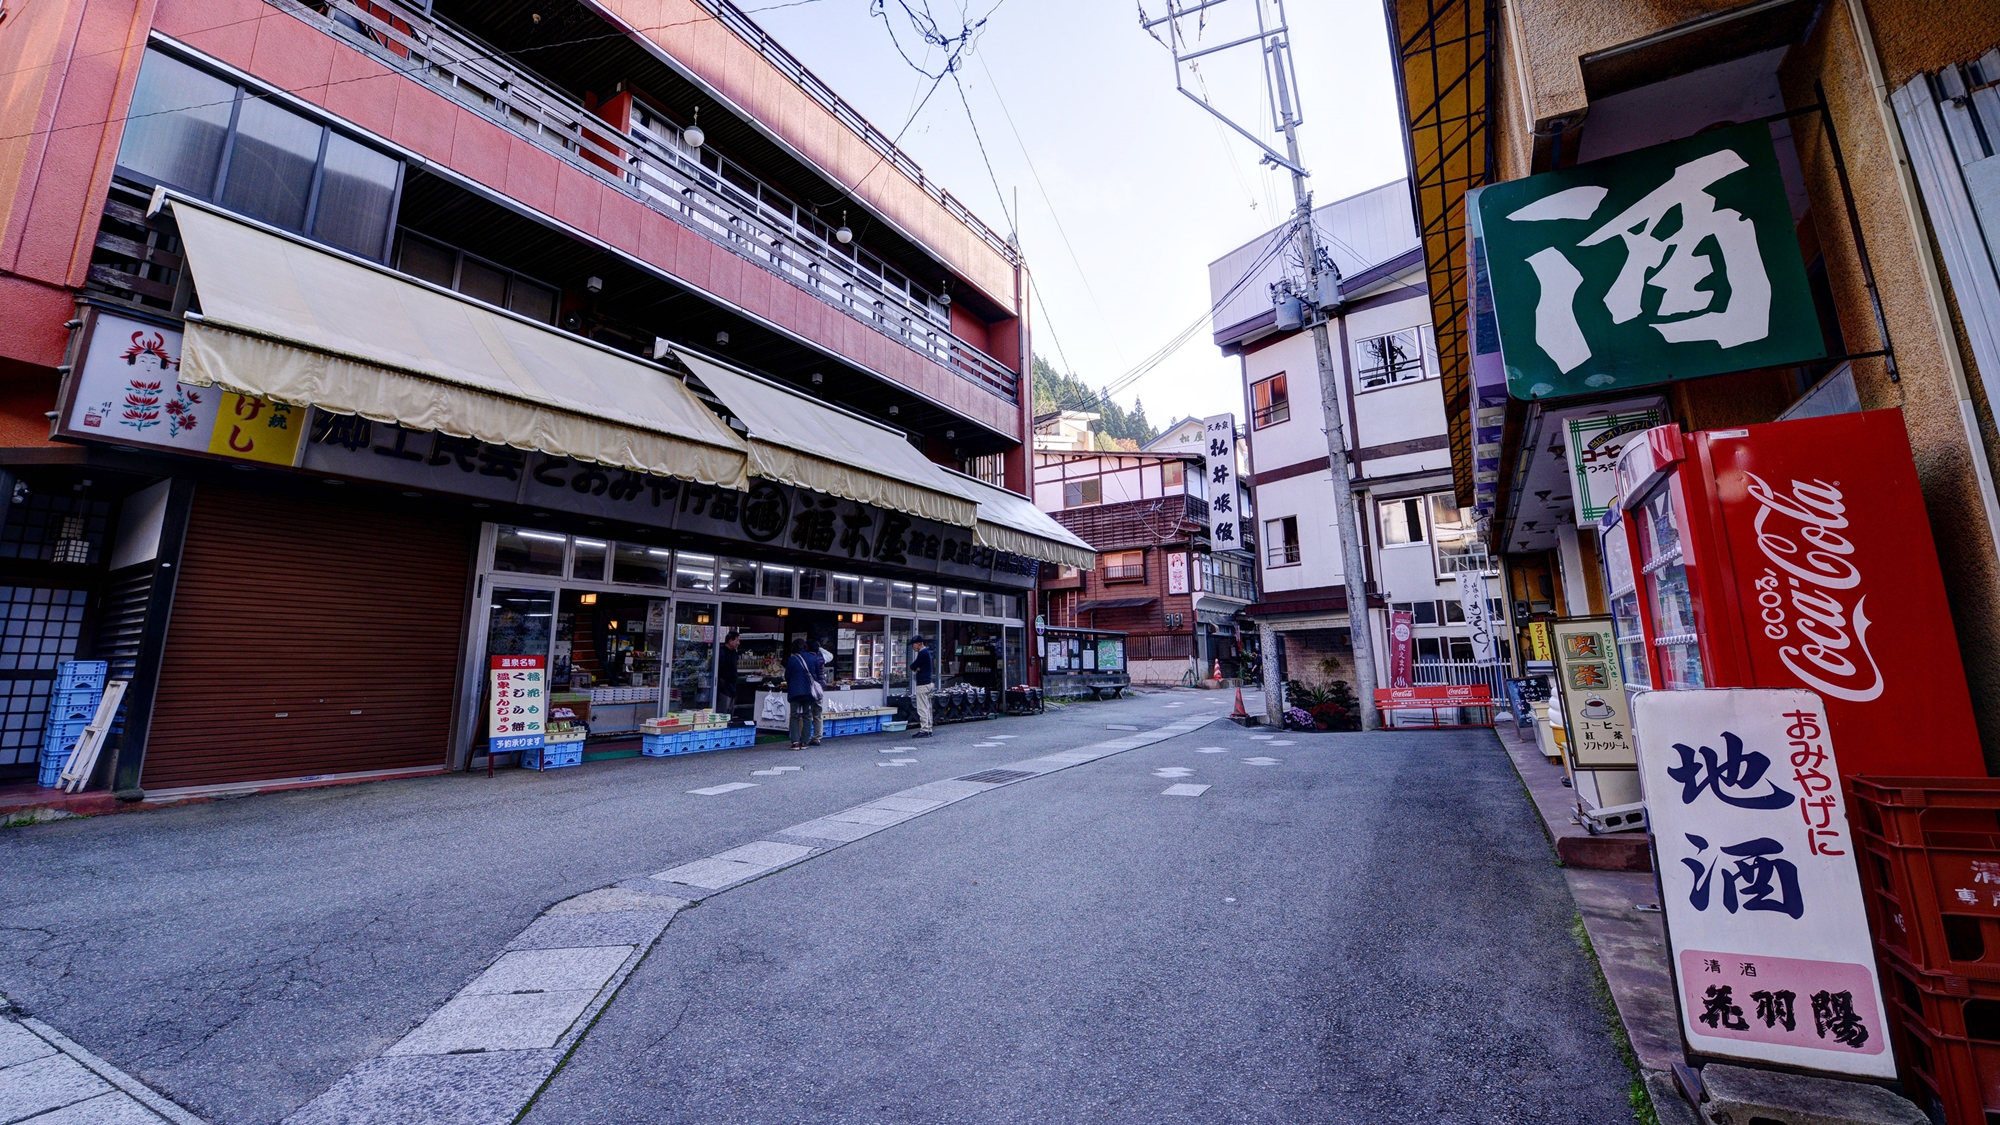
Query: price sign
<point x="517" y="698"/>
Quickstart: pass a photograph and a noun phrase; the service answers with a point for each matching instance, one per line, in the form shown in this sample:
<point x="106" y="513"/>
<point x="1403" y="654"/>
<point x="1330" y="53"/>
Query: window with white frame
<point x="1402" y="521"/>
<point x="1083" y="493"/>
<point x="1281" y="541"/>
<point x="1455" y="537"/>
<point x="1388" y="359"/>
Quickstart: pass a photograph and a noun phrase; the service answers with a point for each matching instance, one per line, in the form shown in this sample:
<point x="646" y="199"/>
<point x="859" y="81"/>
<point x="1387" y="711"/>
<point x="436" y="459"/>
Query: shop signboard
<point x="1768" y="942"/>
<point x="1665" y="263"/>
<point x="1221" y="482"/>
<point x="1111" y="654"/>
<point x="1472" y="599"/>
<point x="517" y="689"/>
<point x="127" y="390"/>
<point x="1594" y="442"/>
<point x="1177" y="573"/>
<point x="1597" y="721"/>
<point x="1402" y="642"/>
<point x="769" y="514"/>
<point x="1538" y="641"/>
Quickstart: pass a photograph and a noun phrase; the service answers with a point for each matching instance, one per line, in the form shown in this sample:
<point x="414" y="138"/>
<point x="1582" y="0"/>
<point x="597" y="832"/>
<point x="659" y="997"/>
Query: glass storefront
<point x="632" y="630"/>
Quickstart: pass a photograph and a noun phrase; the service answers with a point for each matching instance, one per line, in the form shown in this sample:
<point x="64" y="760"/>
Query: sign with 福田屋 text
<point x="1597" y="726"/>
<point x="1670" y="262"/>
<point x="517" y="689"/>
<point x="1224" y="530"/>
<point x="1769" y="945"/>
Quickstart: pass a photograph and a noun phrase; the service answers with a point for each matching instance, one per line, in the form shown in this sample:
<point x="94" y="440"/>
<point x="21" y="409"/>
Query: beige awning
<point x="798" y="441"/>
<point x="285" y="321"/>
<point x="1009" y="522"/>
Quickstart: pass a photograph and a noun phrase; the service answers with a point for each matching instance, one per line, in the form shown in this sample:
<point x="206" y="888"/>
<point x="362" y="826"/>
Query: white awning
<point x="283" y="320"/>
<point x="798" y="441"/>
<point x="1009" y="522"/>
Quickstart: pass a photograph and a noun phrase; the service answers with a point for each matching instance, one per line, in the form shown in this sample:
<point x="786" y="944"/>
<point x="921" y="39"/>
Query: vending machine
<point x="1798" y="554"/>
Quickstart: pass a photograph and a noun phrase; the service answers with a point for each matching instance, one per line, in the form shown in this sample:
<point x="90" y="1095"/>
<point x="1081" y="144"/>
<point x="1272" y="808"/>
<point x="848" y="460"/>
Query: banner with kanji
<point x="516" y="703"/>
<point x="1769" y="940"/>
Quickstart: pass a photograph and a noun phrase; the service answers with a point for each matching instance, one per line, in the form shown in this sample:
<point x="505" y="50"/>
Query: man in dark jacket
<point x="725" y="675"/>
<point x="799" y="683"/>
<point x="923" y="681"/>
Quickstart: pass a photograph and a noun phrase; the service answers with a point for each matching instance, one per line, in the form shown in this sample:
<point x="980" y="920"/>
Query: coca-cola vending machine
<point x="1797" y="554"/>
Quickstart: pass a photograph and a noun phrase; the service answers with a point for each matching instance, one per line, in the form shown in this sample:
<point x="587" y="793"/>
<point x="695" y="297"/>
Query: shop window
<point x="691" y="571"/>
<point x="1402" y="521"/>
<point x="1083" y="493"/>
<point x="948" y="601"/>
<point x="875" y="592"/>
<point x="693" y="681"/>
<point x="518" y="550"/>
<point x="737" y="576"/>
<point x="281" y="167"/>
<point x="1281" y="541"/>
<point x="989" y="605"/>
<point x="812" y="585"/>
<point x="1270" y="404"/>
<point x="778" y="581"/>
<point x="846" y="589"/>
<point x="1124" y="566"/>
<point x="1384" y="361"/>
<point x="480" y="280"/>
<point x="902" y="595"/>
<point x="927" y="599"/>
<point x="587" y="559"/>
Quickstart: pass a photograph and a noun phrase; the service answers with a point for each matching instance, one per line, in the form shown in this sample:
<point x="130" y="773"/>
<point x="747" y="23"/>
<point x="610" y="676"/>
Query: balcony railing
<point x="1471" y="561"/>
<point x="711" y="196"/>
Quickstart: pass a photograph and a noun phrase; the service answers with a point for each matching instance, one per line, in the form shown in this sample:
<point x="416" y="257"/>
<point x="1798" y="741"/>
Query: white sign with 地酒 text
<point x="1765" y="924"/>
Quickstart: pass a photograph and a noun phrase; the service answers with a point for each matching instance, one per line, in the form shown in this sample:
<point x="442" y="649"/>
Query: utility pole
<point x="1322" y="293"/>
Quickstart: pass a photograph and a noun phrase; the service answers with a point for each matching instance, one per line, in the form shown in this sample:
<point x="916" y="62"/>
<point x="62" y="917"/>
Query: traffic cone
<point x="1216" y="672"/>
<point x="1239" y="713"/>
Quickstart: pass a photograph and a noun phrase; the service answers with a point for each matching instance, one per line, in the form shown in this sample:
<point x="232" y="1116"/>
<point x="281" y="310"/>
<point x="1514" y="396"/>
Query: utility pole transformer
<point x="1322" y="289"/>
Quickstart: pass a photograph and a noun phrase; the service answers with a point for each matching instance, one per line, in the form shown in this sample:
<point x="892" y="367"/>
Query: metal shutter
<point x="307" y="639"/>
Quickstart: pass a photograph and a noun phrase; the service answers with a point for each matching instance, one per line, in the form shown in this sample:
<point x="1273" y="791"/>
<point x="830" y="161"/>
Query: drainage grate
<point x="995" y="777"/>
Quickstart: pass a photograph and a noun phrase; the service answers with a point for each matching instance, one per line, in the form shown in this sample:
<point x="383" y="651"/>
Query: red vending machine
<point x="1797" y="554"/>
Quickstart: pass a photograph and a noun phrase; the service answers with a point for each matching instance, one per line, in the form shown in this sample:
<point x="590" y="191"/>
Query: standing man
<point x="923" y="676"/>
<point x="799" y="684"/>
<point x="725" y="676"/>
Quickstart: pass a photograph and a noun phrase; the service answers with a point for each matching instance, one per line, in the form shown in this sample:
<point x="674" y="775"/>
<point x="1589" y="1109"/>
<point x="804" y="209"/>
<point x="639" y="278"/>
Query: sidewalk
<point x="1621" y="918"/>
<point x="46" y="1077"/>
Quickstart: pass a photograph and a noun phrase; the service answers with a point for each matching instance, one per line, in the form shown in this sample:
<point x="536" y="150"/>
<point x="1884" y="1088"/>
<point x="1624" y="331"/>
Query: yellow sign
<point x="255" y="430"/>
<point x="1538" y="632"/>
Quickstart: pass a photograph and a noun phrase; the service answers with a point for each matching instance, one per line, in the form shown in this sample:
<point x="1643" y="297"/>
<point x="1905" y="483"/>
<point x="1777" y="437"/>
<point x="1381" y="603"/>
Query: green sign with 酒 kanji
<point x="1667" y="263"/>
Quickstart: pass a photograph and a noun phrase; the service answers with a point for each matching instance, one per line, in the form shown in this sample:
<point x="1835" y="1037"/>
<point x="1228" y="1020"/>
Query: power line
<point x="1012" y="220"/>
<point x="1039" y="186"/>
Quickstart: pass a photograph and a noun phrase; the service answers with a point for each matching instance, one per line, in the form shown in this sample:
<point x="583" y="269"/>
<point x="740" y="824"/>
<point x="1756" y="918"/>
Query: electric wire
<point x="1082" y="274"/>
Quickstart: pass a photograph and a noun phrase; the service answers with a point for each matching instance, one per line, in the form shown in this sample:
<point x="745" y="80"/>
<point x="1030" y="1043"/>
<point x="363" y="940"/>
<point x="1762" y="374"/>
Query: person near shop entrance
<point x="819" y="703"/>
<point x="805" y="679"/>
<point x="923" y="676"/>
<point x="725" y="675"/>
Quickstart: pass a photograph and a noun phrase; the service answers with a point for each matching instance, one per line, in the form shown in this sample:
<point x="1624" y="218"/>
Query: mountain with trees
<point x="1119" y="428"/>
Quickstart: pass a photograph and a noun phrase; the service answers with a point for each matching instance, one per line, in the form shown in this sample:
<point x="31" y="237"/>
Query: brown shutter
<point x="307" y="638"/>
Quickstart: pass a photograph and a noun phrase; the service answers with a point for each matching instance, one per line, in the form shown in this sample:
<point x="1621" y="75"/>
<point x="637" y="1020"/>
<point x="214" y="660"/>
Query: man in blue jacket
<point x="805" y="679"/>
<point x="923" y="680"/>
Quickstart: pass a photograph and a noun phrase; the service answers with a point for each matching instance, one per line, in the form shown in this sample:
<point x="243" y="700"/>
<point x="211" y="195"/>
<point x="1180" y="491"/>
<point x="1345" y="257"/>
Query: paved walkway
<point x="47" y="1080"/>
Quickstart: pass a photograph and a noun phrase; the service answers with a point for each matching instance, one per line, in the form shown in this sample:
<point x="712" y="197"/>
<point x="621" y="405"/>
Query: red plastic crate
<point x="1929" y="854"/>
<point x="1946" y="1031"/>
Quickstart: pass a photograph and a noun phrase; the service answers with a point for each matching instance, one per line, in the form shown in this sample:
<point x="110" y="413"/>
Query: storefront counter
<point x="774" y="709"/>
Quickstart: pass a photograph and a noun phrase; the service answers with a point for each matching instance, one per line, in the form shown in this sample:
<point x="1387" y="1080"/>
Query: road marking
<point x="1183" y="790"/>
<point x="719" y="790"/>
<point x="984" y="745"/>
<point x="1172" y="772"/>
<point x="1281" y="742"/>
<point x="894" y="749"/>
<point x="897" y="762"/>
<point x="1212" y="750"/>
<point x="1118" y="726"/>
<point x="1261" y="761"/>
<point x="1263" y="737"/>
<point x="767" y="773"/>
<point x="1002" y="737"/>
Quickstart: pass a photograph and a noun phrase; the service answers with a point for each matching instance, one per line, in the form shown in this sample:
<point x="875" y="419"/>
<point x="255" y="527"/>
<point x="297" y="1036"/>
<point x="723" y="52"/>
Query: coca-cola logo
<point x="1806" y="588"/>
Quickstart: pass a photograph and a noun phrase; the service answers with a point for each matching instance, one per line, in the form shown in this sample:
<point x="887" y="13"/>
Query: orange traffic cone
<point x="1216" y="672"/>
<point x="1239" y="713"/>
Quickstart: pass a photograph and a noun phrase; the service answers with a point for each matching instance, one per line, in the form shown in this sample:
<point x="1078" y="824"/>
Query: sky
<point x="1127" y="189"/>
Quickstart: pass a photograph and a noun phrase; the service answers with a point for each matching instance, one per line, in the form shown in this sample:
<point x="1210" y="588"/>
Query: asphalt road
<point x="1059" y="950"/>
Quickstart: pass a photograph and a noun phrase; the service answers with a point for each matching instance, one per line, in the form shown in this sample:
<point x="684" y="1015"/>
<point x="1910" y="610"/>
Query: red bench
<point x="1435" y="699"/>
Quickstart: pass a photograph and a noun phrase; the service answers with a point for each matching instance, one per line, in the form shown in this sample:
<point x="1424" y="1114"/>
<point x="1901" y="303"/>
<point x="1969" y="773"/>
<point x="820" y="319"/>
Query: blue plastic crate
<point x="697" y="741"/>
<point x="63" y="733"/>
<point x="841" y="728"/>
<point x="79" y="705"/>
<point x="553" y="757"/>
<point x="51" y="770"/>
<point x="82" y="675"/>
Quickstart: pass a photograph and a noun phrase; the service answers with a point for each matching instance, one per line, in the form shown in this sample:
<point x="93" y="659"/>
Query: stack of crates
<point x="860" y="724"/>
<point x="72" y="704"/>
<point x="697" y="741"/>
<point x="552" y="756"/>
<point x="1929" y="852"/>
